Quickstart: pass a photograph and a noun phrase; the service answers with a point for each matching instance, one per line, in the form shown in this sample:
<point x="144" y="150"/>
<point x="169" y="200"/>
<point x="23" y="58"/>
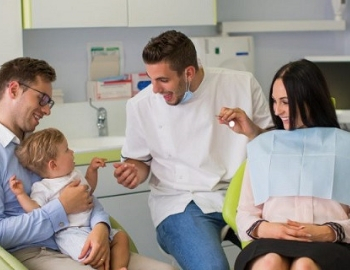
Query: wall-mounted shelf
<point x="226" y="28"/>
<point x="328" y="58"/>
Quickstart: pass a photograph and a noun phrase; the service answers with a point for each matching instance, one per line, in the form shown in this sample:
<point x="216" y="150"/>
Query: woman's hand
<point x="318" y="233"/>
<point x="286" y="231"/>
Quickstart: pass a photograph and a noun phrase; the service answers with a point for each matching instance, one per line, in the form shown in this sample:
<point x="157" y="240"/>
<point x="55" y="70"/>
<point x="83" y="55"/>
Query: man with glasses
<point x="25" y="98"/>
<point x="44" y="100"/>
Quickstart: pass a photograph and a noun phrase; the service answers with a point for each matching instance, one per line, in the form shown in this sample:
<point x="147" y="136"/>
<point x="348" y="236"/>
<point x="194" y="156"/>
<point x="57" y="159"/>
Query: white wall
<point x="272" y="50"/>
<point x="65" y="49"/>
<point x="79" y="120"/>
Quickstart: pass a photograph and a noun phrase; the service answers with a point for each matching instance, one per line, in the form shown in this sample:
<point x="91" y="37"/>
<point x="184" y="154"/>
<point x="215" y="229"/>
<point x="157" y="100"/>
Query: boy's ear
<point x="52" y="164"/>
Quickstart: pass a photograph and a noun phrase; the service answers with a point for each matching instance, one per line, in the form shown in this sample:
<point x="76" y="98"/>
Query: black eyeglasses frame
<point x="45" y="98"/>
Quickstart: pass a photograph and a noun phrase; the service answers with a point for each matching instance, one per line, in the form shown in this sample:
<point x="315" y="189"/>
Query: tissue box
<point x="97" y="90"/>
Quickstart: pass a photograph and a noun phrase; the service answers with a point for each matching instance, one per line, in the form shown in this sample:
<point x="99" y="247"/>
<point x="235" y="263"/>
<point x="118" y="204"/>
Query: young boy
<point x="47" y="154"/>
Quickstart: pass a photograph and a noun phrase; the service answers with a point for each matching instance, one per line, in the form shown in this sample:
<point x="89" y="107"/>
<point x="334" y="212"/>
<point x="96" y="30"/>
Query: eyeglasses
<point x="44" y="100"/>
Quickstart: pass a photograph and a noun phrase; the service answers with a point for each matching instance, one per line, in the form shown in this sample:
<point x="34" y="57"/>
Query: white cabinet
<point x="115" y="13"/>
<point x="130" y="208"/>
<point x="234" y="27"/>
<point x="231" y="252"/>
<point x="171" y="13"/>
<point x="133" y="213"/>
<point x="74" y="13"/>
<point x="11" y="30"/>
<point x="107" y="184"/>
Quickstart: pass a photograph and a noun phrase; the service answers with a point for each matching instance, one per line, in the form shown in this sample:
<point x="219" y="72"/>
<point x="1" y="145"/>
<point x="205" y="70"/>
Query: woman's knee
<point x="304" y="263"/>
<point x="270" y="261"/>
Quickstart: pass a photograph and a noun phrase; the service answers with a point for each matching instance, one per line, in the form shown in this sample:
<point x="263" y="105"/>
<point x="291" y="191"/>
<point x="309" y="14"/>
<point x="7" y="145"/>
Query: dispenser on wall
<point x="229" y="52"/>
<point x="338" y="8"/>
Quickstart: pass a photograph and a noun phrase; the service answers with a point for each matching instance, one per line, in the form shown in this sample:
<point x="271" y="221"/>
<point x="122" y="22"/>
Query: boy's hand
<point x="16" y="185"/>
<point x="97" y="163"/>
<point x="91" y="172"/>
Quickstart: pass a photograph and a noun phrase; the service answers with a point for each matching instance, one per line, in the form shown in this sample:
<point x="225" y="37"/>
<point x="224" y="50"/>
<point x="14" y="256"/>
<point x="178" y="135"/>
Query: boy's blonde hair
<point x="35" y="151"/>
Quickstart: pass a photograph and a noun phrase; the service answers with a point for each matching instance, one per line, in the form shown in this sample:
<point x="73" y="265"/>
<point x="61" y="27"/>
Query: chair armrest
<point x="229" y="211"/>
<point x="9" y="262"/>
<point x="116" y="225"/>
<point x="231" y="201"/>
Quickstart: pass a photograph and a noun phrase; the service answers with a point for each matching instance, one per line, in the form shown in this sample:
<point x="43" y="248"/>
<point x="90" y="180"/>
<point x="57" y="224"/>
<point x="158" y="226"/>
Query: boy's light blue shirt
<point x="303" y="162"/>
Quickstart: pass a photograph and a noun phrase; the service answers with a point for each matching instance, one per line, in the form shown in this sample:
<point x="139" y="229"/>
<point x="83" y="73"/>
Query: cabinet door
<point x="171" y="13"/>
<point x="74" y="13"/>
<point x="107" y="184"/>
<point x="11" y="30"/>
<point x="231" y="252"/>
<point x="132" y="212"/>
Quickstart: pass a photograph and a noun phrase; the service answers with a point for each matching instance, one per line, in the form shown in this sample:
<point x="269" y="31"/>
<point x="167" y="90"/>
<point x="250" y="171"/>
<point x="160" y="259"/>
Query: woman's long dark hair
<point x="308" y="94"/>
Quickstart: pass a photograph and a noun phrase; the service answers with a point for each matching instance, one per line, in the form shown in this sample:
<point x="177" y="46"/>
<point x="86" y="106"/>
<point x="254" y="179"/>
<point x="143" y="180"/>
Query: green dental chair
<point x="9" y="262"/>
<point x="231" y="201"/>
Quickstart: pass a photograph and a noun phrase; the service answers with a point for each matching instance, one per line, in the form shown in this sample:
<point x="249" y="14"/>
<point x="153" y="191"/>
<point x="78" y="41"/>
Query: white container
<point x="97" y="90"/>
<point x="229" y="52"/>
<point x="139" y="82"/>
<point x="58" y="96"/>
<point x="338" y="8"/>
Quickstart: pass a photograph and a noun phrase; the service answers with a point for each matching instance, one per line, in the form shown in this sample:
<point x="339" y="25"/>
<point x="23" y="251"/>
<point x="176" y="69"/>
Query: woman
<point x="293" y="202"/>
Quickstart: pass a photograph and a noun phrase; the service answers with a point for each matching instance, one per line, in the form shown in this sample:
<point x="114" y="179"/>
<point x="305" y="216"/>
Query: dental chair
<point x="231" y="201"/>
<point x="9" y="262"/>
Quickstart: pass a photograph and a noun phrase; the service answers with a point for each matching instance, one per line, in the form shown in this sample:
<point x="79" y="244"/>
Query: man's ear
<point x="13" y="88"/>
<point x="189" y="73"/>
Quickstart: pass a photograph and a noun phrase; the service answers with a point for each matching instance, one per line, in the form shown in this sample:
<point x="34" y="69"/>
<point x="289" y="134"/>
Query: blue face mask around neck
<point x="188" y="94"/>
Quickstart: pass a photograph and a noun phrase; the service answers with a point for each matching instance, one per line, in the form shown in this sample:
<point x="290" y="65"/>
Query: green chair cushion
<point x="116" y="225"/>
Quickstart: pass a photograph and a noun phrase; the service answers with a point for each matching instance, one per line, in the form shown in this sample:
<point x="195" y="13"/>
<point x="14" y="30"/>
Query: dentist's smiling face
<point x="166" y="82"/>
<point x="281" y="105"/>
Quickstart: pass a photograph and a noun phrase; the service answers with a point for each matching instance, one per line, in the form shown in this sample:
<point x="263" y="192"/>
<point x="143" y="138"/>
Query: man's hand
<point x="242" y="123"/>
<point x="96" y="250"/>
<point x="126" y="174"/>
<point x="76" y="198"/>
